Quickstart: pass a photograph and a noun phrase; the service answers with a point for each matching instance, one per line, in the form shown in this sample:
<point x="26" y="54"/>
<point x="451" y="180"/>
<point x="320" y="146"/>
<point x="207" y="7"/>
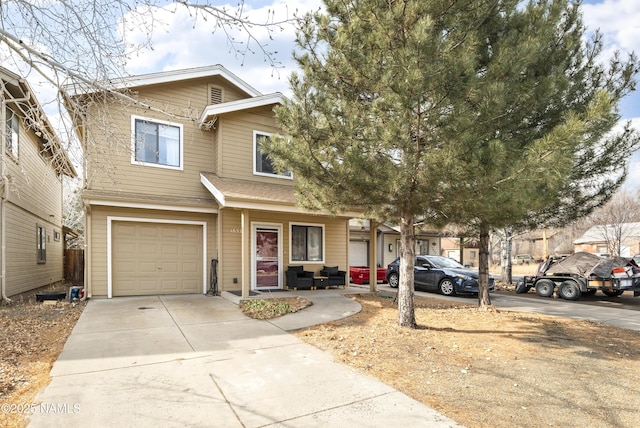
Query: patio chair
<point x="335" y="276"/>
<point x="297" y="277"/>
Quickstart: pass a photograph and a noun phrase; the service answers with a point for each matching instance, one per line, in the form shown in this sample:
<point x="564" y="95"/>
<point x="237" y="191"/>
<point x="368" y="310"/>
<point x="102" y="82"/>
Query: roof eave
<point x="211" y="112"/>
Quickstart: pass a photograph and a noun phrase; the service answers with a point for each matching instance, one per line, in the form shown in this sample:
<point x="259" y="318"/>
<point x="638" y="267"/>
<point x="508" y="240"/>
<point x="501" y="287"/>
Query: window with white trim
<point x="41" y="246"/>
<point x="12" y="130"/>
<point x="307" y="243"/>
<point x="156" y="143"/>
<point x="261" y="163"/>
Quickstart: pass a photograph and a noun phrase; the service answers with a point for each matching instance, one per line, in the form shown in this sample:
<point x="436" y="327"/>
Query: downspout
<point x="87" y="253"/>
<point x="5" y="183"/>
<point x="5" y="193"/>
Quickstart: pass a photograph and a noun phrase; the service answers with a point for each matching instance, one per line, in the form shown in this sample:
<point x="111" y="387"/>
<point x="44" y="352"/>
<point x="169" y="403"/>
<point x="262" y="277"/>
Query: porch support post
<point x="373" y="255"/>
<point x="245" y="274"/>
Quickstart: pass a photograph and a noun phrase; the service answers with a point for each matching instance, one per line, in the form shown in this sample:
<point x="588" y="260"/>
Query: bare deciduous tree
<point x="84" y="46"/>
<point x="617" y="221"/>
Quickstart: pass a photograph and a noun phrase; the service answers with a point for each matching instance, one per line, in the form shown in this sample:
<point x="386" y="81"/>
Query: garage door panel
<point x="190" y="250"/>
<point x="126" y="285"/>
<point x="128" y="267"/>
<point x="169" y="285"/>
<point x="170" y="232"/>
<point x="170" y="249"/>
<point x="156" y="258"/>
<point x="128" y="247"/>
<point x="169" y="267"/>
<point x="148" y="248"/>
<point x="190" y="267"/>
<point x="145" y="267"/>
<point x="149" y="230"/>
<point x="148" y="285"/>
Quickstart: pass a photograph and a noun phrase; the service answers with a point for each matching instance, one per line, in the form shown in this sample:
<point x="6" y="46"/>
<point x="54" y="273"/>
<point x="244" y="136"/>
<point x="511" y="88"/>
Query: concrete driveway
<point x="197" y="361"/>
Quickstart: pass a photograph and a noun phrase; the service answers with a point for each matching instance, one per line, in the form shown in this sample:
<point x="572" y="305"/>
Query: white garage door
<point x="358" y="254"/>
<point x="156" y="258"/>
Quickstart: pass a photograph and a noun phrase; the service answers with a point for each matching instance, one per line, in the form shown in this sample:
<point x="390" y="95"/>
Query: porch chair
<point x="297" y="277"/>
<point x="335" y="276"/>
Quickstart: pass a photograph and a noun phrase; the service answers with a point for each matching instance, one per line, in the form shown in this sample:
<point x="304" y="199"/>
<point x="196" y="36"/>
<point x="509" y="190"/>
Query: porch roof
<point x="235" y="193"/>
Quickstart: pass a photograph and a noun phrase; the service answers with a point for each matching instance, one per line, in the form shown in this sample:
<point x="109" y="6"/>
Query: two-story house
<point x="175" y="178"/>
<point x="32" y="164"/>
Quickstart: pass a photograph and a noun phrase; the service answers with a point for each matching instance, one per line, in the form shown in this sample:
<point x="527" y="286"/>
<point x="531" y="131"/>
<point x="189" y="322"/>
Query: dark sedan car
<point x="441" y="274"/>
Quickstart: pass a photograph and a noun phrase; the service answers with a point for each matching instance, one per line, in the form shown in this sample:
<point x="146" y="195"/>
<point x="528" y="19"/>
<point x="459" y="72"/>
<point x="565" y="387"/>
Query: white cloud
<point x="183" y="40"/>
<point x="180" y="41"/>
<point x="618" y="20"/>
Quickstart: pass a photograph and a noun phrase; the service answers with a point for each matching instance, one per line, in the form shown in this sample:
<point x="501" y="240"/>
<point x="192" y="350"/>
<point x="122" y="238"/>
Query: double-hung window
<point x="262" y="165"/>
<point x="12" y="129"/>
<point x="307" y="243"/>
<point x="157" y="143"/>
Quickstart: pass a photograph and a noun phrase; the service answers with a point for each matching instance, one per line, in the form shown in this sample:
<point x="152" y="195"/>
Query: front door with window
<point x="267" y="257"/>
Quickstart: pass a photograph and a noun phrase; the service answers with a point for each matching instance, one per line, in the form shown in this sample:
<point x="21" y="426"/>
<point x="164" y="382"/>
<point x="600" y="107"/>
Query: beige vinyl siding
<point x="335" y="250"/>
<point x="230" y="250"/>
<point x="108" y="151"/>
<point x="24" y="273"/>
<point x="111" y="167"/>
<point x="388" y="257"/>
<point x="34" y="197"/>
<point x="236" y="148"/>
<point x="34" y="185"/>
<point x="98" y="268"/>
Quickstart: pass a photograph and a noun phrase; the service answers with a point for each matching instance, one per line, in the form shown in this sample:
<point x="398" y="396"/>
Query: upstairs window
<point x="12" y="129"/>
<point x="261" y="163"/>
<point x="157" y="143"/>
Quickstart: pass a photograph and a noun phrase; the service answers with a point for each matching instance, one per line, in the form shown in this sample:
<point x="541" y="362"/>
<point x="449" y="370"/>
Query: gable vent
<point x="215" y="95"/>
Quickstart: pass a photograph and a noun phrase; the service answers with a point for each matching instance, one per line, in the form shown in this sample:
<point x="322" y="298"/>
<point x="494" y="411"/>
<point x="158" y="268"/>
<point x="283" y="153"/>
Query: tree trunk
<point x="505" y="262"/>
<point x="484" y="301"/>
<point x="406" y="312"/>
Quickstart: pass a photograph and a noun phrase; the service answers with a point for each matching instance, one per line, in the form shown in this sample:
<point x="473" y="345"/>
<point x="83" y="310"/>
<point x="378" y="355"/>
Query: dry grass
<point x="493" y="368"/>
<point x="33" y="335"/>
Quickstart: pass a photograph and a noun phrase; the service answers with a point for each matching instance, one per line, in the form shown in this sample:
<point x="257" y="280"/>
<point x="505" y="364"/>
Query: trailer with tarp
<point x="583" y="273"/>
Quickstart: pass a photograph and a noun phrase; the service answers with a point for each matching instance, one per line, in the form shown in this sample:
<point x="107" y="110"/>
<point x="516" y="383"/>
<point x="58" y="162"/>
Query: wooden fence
<point x="74" y="266"/>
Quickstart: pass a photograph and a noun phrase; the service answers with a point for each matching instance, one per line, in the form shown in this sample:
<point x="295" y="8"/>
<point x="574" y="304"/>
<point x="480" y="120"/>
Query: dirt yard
<point x="498" y="369"/>
<point x="31" y="337"/>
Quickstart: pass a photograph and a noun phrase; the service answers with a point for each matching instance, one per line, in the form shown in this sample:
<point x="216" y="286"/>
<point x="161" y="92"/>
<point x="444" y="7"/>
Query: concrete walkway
<point x="197" y="361"/>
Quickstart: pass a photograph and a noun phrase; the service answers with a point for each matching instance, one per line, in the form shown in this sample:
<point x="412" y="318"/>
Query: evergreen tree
<point x="484" y="113"/>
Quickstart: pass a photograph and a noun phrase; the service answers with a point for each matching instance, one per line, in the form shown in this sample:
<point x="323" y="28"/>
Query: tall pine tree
<point x="483" y="113"/>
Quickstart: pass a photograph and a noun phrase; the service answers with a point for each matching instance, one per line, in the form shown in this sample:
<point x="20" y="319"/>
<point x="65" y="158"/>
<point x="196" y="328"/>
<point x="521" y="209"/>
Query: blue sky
<point x="183" y="45"/>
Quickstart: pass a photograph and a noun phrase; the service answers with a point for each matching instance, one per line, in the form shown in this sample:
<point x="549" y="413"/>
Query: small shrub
<point x="265" y="308"/>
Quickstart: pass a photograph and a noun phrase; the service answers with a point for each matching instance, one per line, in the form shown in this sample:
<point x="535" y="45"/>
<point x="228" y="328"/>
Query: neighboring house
<point x="540" y="244"/>
<point x="608" y="239"/>
<point x="470" y="251"/>
<point x="32" y="163"/>
<point x="168" y="192"/>
<point x="388" y="242"/>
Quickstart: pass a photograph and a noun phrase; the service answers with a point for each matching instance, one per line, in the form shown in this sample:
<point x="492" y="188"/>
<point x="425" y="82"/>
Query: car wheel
<point x="394" y="280"/>
<point x="569" y="290"/>
<point x="612" y="293"/>
<point x="544" y="287"/>
<point x="447" y="287"/>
